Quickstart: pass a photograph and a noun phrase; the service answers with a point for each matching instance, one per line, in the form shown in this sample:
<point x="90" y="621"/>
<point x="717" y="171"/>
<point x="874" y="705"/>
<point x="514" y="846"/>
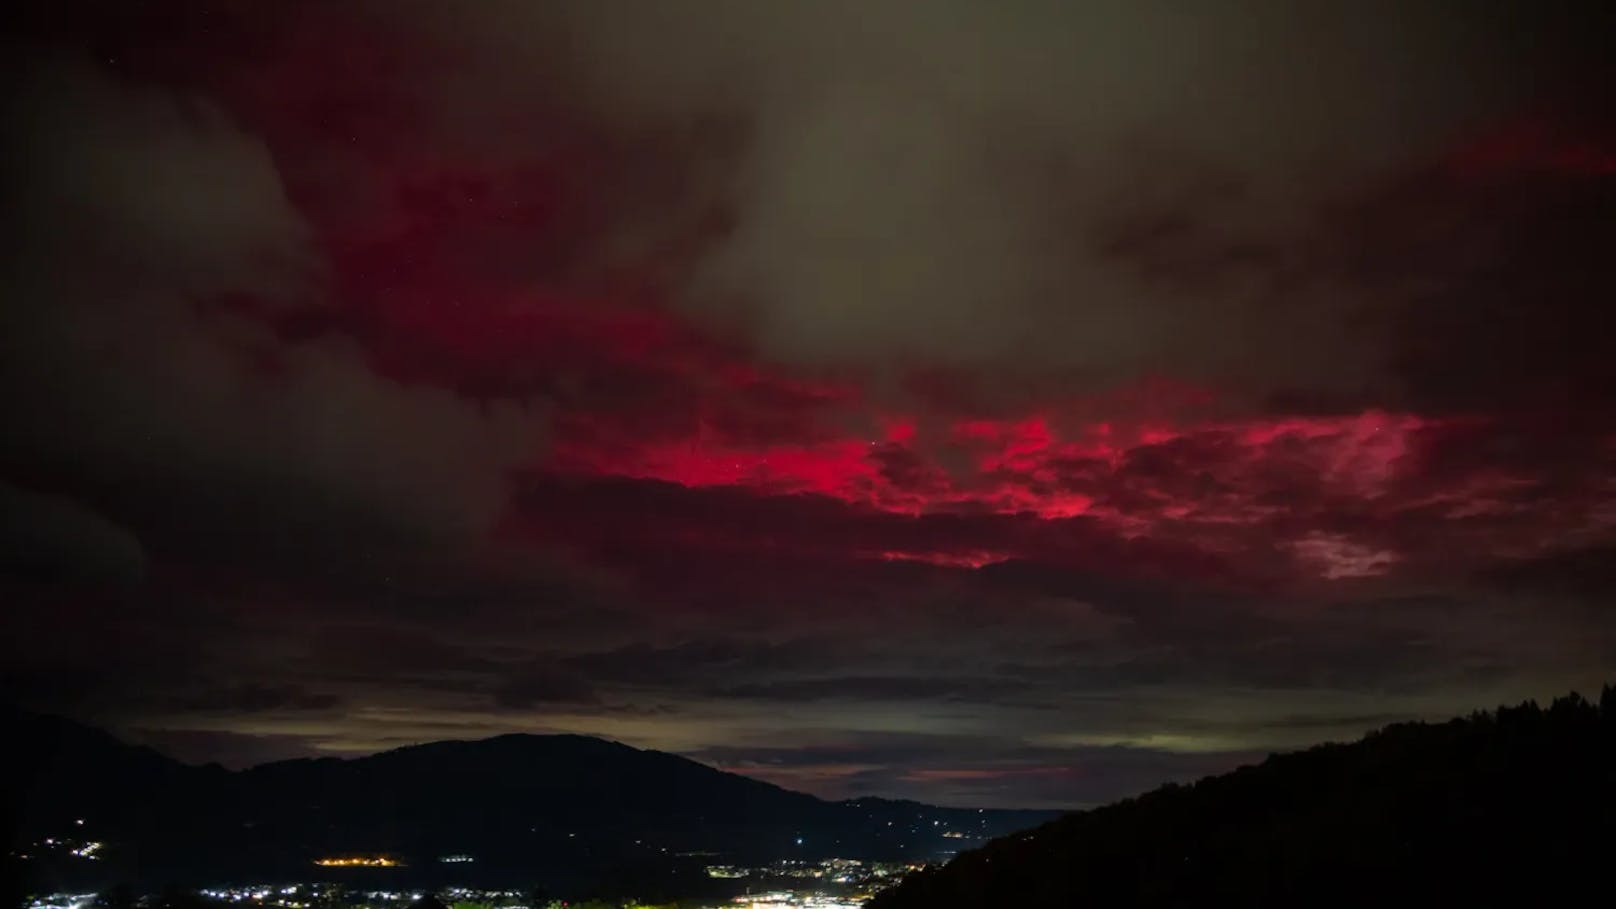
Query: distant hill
<point x="1513" y="807"/>
<point x="524" y="808"/>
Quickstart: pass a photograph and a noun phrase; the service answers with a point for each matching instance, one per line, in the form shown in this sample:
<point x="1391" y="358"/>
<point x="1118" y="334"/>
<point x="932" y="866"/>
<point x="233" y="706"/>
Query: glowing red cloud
<point x="490" y="272"/>
<point x="840" y="469"/>
<point x="1018" y="466"/>
<point x="972" y="559"/>
<point x="1201" y="480"/>
<point x="635" y="391"/>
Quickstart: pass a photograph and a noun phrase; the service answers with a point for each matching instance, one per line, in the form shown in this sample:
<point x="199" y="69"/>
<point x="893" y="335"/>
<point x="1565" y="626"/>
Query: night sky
<point x="1007" y="403"/>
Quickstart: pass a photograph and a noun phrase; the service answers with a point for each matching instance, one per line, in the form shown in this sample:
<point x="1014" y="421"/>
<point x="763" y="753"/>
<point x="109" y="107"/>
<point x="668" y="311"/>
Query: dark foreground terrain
<point x="87" y="811"/>
<point x="1512" y="807"/>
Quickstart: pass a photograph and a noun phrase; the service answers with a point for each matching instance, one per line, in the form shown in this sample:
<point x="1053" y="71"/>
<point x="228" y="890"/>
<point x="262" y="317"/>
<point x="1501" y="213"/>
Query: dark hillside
<point x="523" y="807"/>
<point x="1516" y="805"/>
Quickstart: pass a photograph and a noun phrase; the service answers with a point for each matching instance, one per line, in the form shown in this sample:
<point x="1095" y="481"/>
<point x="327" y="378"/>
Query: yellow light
<point x="379" y="861"/>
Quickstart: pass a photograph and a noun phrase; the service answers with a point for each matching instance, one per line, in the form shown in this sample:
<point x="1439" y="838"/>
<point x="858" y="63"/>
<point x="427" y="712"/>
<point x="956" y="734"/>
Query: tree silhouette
<point x="1514" y="806"/>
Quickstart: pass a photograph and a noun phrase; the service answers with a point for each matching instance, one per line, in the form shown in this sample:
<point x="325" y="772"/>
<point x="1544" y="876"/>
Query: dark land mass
<point x="1511" y="807"/>
<point x="562" y="811"/>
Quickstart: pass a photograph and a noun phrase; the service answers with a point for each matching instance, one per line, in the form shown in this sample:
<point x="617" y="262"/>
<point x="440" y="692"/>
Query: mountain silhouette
<point x="1512" y="807"/>
<point x="522" y="808"/>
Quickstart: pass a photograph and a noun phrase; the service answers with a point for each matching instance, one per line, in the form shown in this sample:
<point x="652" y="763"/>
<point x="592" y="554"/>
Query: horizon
<point x="979" y="404"/>
<point x="135" y="741"/>
<point x="1533" y="767"/>
<point x="1250" y="760"/>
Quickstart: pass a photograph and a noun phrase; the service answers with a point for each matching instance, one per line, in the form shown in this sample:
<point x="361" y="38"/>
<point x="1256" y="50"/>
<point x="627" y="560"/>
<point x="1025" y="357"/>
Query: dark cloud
<point x="702" y="661"/>
<point x="541" y="683"/>
<point x="1584" y="573"/>
<point x="878" y="688"/>
<point x="52" y="538"/>
<point x="1491" y="284"/>
<point x="379" y="648"/>
<point x="1037" y="184"/>
<point x="147" y="228"/>
<point x="255" y="697"/>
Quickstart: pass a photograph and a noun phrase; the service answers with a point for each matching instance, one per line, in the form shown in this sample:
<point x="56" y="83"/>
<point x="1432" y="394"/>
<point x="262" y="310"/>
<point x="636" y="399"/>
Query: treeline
<point x="1513" y="806"/>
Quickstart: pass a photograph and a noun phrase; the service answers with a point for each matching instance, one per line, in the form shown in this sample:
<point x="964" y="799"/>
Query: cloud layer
<point x="996" y="404"/>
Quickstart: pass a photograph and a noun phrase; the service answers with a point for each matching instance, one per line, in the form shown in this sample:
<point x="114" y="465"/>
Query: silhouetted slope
<point x="60" y="773"/>
<point x="525" y="807"/>
<point x="1516" y="806"/>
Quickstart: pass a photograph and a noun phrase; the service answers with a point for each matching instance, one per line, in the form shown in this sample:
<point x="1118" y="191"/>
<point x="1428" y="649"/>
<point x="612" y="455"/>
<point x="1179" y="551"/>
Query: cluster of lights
<point x="727" y="872"/>
<point x="864" y="877"/>
<point x="456" y="859"/>
<point x="786" y="898"/>
<point x="256" y="893"/>
<point x="308" y="896"/>
<point x="62" y="901"/>
<point x="84" y="849"/>
<point x="856" y="880"/>
<point x="360" y="861"/>
<point x="276" y="894"/>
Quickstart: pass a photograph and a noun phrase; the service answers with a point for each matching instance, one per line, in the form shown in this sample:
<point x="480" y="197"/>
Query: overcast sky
<point x="990" y="403"/>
